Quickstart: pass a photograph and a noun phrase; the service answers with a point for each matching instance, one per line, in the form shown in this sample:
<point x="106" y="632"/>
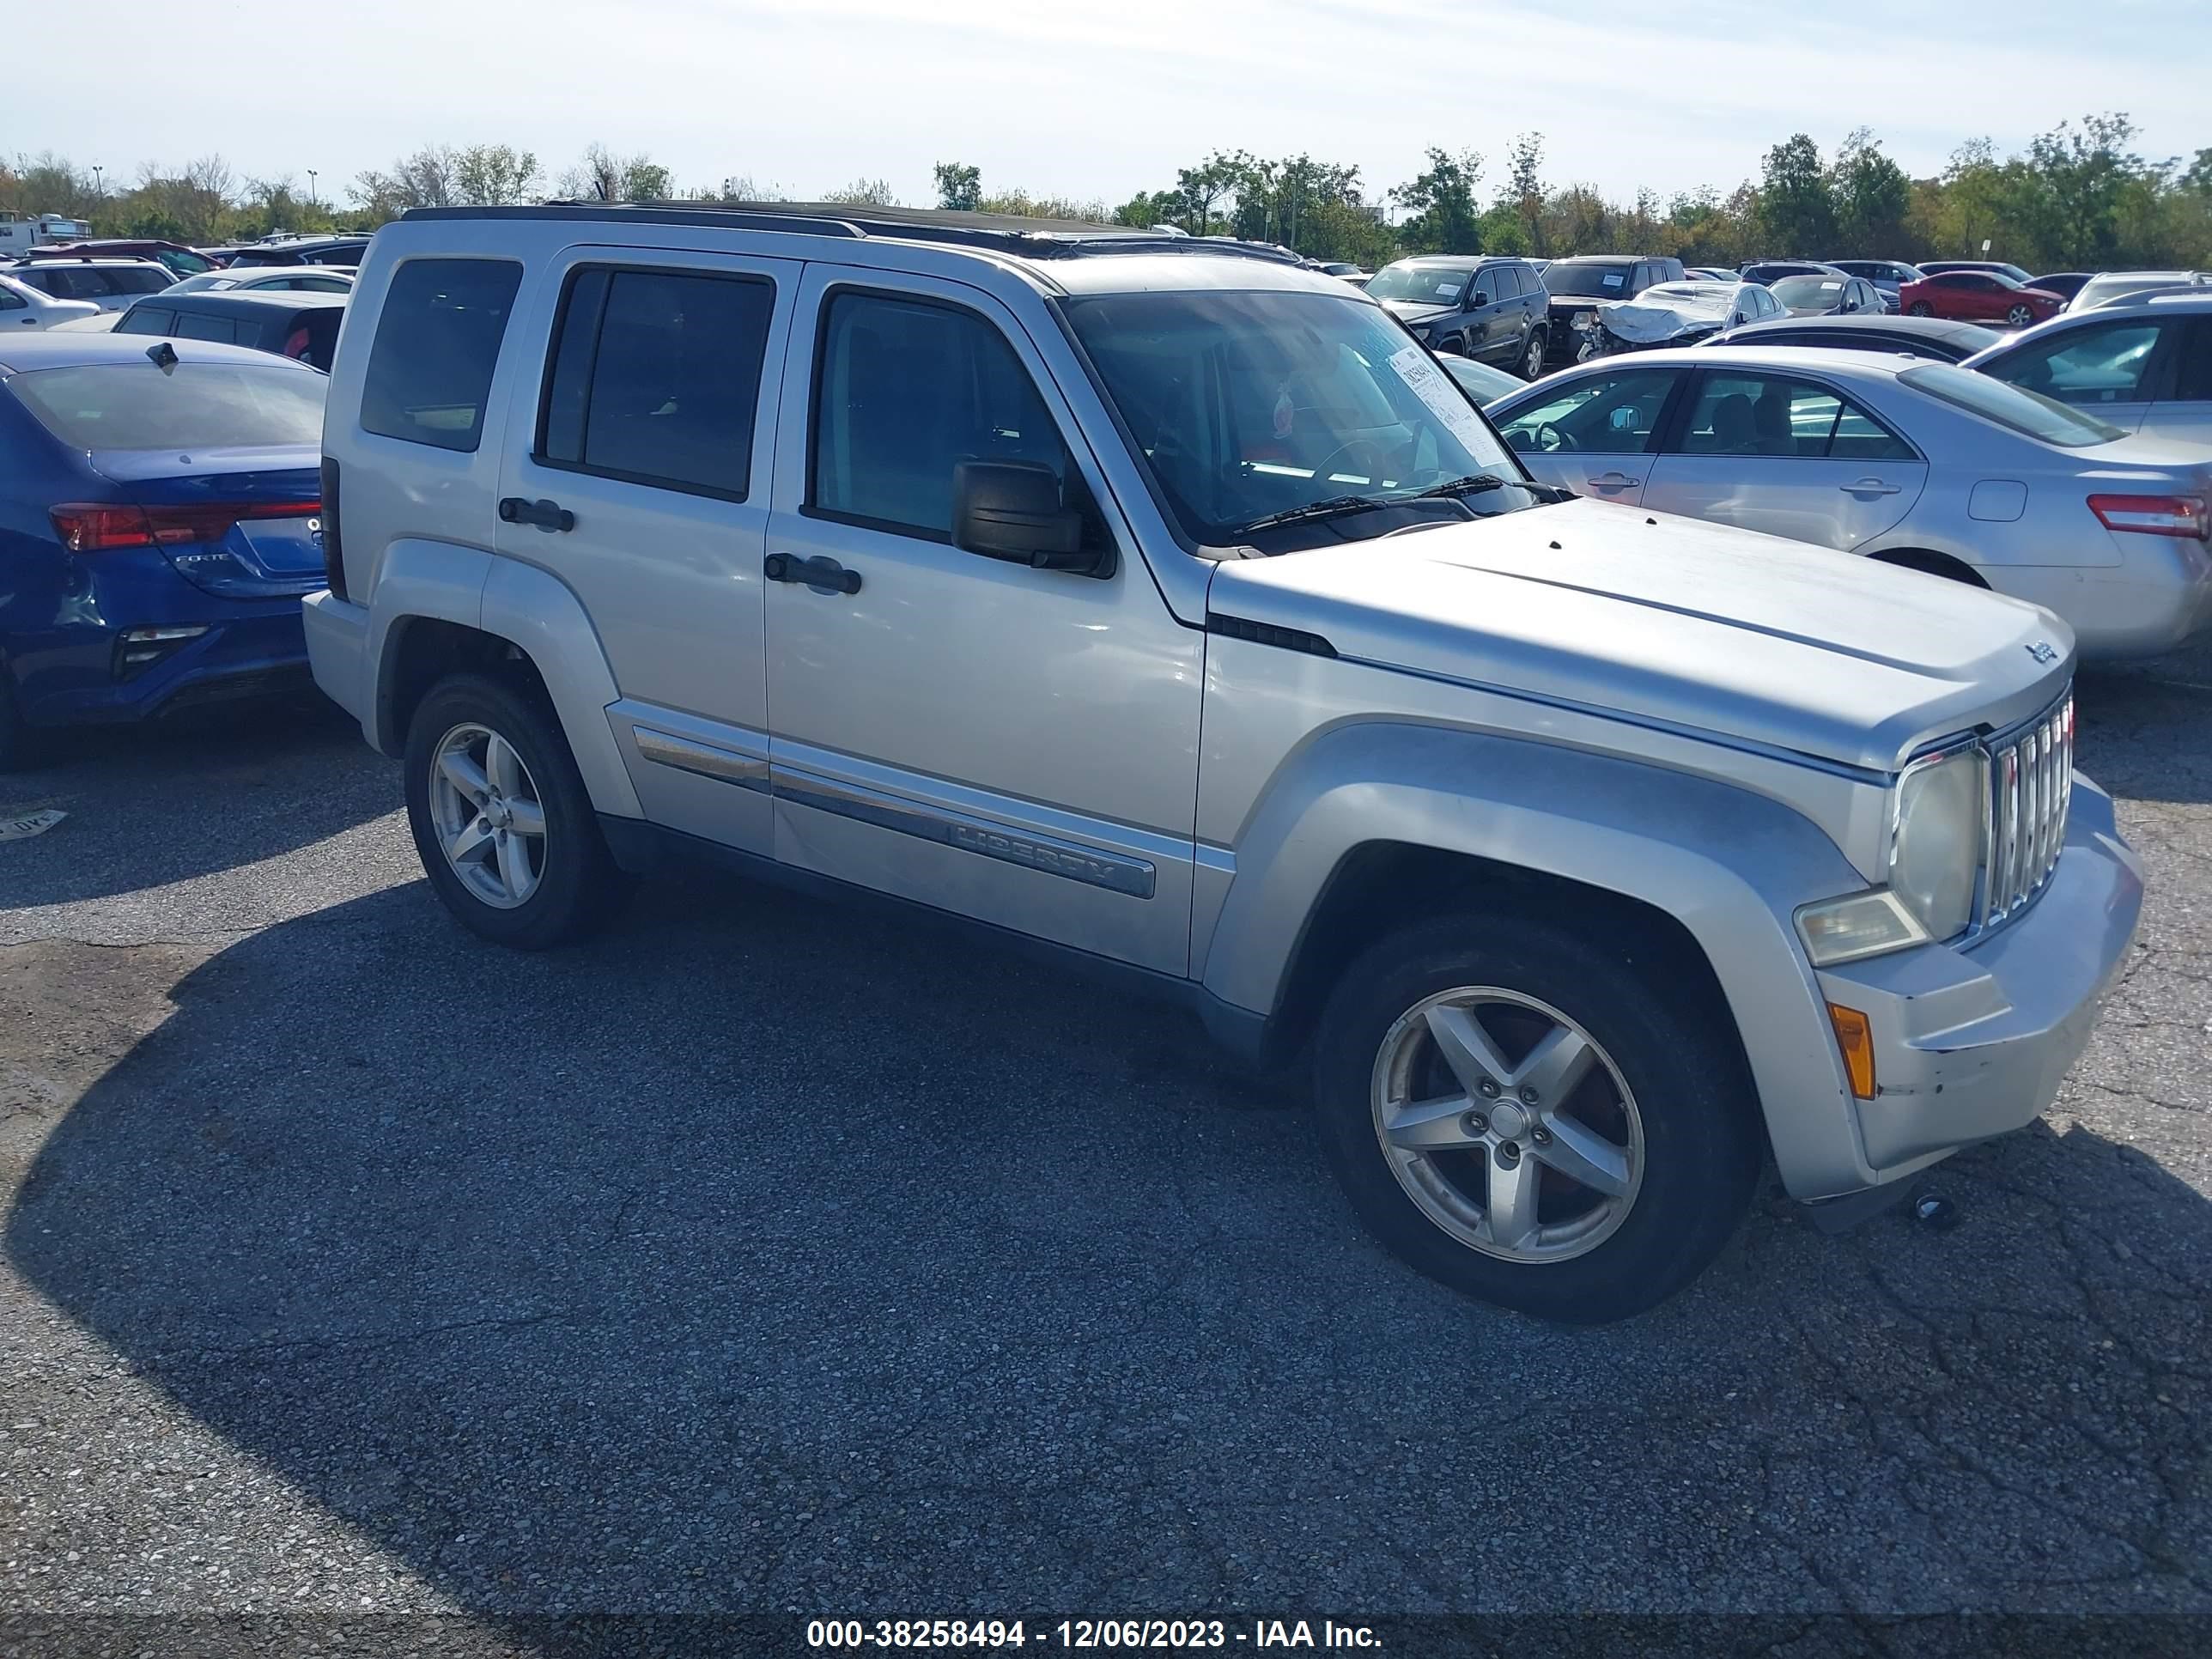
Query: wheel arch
<point x="438" y="609"/>
<point x="1703" y="877"/>
<point x="1934" y="563"/>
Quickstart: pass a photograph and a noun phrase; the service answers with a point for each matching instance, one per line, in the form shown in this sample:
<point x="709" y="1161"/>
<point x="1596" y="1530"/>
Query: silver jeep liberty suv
<point x="1158" y="602"/>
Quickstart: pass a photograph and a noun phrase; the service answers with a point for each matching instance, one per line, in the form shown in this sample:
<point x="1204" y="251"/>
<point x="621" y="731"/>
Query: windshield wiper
<point x="1475" y="483"/>
<point x="1324" y="509"/>
<point x="1479" y="483"/>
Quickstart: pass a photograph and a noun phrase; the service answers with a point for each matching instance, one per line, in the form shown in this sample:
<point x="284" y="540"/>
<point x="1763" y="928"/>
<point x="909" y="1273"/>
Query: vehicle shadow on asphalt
<point x="205" y="792"/>
<point x="2141" y="725"/>
<point x="762" y="1256"/>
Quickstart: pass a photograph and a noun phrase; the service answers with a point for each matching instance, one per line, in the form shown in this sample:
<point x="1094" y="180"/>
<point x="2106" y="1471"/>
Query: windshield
<point x="1248" y="404"/>
<point x="191" y="406"/>
<point x="1432" y="285"/>
<point x="1796" y="291"/>
<point x="1602" y="279"/>
<point x="2028" y="413"/>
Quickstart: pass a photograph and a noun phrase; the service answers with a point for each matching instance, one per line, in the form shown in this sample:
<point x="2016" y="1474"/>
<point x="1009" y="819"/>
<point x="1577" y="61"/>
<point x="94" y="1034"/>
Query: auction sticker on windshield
<point x="1445" y="400"/>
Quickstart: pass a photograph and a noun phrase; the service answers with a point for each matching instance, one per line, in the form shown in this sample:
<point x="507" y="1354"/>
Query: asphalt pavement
<point x="766" y="1257"/>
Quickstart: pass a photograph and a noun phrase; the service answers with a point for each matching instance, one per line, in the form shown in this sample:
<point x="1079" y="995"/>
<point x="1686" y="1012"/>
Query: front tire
<point x="1922" y="308"/>
<point x="500" y="816"/>
<point x="2021" y="316"/>
<point x="1532" y="1121"/>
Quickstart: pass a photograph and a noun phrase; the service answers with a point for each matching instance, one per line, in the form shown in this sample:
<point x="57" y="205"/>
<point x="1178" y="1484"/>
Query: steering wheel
<point x="1375" y="449"/>
<point x="1550" y="440"/>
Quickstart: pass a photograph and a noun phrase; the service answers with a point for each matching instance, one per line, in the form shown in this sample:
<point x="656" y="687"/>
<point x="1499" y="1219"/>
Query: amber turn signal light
<point x="1855" y="1038"/>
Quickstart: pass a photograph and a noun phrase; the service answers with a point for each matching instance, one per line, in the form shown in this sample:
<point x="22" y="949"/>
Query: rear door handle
<point x="822" y="574"/>
<point x="1613" y="481"/>
<point x="546" y="515"/>
<point x="1869" y="487"/>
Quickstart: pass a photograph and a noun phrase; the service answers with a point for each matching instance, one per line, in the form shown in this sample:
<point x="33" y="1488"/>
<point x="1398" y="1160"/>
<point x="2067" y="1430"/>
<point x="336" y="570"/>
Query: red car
<point x="1978" y="296"/>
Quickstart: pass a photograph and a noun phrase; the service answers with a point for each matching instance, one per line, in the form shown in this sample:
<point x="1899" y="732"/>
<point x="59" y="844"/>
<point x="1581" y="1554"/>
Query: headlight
<point x="1935" y="844"/>
<point x="1935" y="854"/>
<point x="1585" y="319"/>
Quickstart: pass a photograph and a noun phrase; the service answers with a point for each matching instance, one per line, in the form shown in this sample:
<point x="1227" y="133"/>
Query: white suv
<point x="1160" y="603"/>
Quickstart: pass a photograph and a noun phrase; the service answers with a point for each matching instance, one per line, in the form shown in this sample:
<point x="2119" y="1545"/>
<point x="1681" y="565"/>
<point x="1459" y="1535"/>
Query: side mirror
<point x="1480" y="298"/>
<point x="1013" y="510"/>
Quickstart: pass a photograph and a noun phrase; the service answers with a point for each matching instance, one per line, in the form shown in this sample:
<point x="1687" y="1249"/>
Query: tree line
<point x="2079" y="197"/>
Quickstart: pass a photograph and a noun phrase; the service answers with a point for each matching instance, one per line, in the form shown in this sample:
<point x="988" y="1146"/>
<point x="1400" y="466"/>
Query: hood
<point x="1413" y="310"/>
<point x="1646" y="322"/>
<point x="1673" y="620"/>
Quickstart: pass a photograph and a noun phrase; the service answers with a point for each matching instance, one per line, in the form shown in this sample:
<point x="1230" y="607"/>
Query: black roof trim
<point x="1032" y="238"/>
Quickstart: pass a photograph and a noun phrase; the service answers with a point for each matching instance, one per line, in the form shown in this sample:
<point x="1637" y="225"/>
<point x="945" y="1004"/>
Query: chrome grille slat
<point x="2031" y="786"/>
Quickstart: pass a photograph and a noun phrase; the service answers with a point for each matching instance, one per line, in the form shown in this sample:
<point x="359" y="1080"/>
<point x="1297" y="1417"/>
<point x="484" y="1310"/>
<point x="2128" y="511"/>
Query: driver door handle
<point x="1613" y="480"/>
<point x="1869" y="487"/>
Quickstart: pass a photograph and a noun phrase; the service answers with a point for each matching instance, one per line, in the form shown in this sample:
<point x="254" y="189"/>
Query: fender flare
<point x="530" y="608"/>
<point x="1731" y="865"/>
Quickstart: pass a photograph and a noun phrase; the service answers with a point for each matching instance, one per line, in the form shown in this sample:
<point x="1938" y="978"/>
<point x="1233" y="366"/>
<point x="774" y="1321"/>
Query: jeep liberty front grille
<point x="2031" y="784"/>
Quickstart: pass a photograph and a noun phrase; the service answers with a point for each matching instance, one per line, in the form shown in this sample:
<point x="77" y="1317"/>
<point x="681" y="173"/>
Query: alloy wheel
<point x="1507" y="1125"/>
<point x="2020" y="316"/>
<point x="486" y="812"/>
<point x="1532" y="364"/>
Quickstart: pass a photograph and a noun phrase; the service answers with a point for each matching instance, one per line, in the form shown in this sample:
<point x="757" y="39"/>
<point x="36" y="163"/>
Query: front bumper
<point x="1974" y="1042"/>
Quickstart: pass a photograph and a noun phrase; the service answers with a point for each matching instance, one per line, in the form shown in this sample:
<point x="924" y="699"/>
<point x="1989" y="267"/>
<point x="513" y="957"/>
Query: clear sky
<point x="1095" y="100"/>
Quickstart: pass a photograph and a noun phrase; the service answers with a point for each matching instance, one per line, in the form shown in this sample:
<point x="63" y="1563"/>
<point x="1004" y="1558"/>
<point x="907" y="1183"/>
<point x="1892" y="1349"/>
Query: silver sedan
<point x="1917" y="464"/>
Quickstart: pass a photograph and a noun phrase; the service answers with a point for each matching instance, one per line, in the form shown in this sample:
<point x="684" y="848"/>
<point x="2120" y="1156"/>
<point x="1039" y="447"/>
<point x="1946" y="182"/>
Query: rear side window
<point x="191" y="406"/>
<point x="135" y="279"/>
<point x="147" y="319"/>
<point x="222" y="329"/>
<point x="2086" y="365"/>
<point x="904" y="390"/>
<point x="655" y="378"/>
<point x="2192" y="368"/>
<point x="437" y="343"/>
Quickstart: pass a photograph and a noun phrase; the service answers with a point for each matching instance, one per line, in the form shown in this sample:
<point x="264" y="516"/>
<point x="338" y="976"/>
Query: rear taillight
<point x="2154" y="515"/>
<point x="101" y="528"/>
<point x="333" y="555"/>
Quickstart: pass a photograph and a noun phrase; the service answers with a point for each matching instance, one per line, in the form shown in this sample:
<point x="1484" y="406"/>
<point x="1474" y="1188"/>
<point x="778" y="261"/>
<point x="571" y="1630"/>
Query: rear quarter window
<point x="437" y="344"/>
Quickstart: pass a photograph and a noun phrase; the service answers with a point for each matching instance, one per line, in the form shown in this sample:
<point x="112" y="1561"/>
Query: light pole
<point x="311" y="187"/>
<point x="99" y="181"/>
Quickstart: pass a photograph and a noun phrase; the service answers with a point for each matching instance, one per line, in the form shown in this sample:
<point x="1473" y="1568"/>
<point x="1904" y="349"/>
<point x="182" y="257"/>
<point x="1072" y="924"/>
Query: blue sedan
<point x="159" y="517"/>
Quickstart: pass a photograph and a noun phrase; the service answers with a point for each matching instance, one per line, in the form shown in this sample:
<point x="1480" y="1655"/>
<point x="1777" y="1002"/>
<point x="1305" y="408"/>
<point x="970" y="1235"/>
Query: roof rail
<point x="1035" y="239"/>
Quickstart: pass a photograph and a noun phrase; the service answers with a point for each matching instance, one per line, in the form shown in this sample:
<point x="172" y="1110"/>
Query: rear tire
<point x="1662" y="1115"/>
<point x="1532" y="357"/>
<point x="500" y="816"/>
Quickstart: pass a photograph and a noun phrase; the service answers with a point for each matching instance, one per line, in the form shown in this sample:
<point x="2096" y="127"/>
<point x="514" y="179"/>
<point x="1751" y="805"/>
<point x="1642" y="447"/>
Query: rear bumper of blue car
<point x="83" y="675"/>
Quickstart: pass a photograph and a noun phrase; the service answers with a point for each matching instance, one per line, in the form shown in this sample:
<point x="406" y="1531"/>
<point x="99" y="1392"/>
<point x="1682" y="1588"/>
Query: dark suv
<point x="1574" y="283"/>
<point x="1489" y="309"/>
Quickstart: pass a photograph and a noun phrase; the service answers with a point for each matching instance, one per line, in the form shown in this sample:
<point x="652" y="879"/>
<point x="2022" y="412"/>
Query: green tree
<point x="494" y="175"/>
<point x="1439" y="204"/>
<point x="1524" y="191"/>
<point x="1796" y="211"/>
<point x="865" y="193"/>
<point x="959" y="187"/>
<point x="1871" y="197"/>
<point x="2078" y="179"/>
